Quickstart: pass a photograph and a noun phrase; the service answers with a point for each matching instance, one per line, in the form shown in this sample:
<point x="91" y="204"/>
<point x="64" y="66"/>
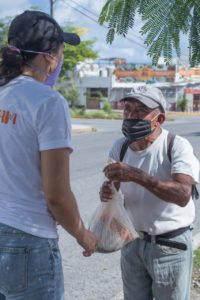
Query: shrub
<point x="182" y="104"/>
<point x="107" y="107"/>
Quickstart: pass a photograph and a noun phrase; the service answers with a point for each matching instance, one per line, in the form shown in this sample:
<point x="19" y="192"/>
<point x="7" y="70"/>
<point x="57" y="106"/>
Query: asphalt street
<point x="98" y="277"/>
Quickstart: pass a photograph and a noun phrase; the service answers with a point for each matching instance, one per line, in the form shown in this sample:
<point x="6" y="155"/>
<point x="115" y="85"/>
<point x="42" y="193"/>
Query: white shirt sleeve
<point x="53" y="124"/>
<point x="183" y="159"/>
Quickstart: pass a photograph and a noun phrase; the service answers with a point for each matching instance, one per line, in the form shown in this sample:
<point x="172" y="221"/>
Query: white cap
<point x="150" y="96"/>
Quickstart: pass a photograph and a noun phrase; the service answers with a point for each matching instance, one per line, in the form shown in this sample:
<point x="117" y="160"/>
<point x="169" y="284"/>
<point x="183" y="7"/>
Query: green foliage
<point x="81" y="52"/>
<point x="195" y="37"/>
<point x="72" y="96"/>
<point x="62" y="90"/>
<point x="182" y="104"/>
<point x="70" y="92"/>
<point x="196" y="266"/>
<point x="97" y="114"/>
<point x="75" y="54"/>
<point x="197" y="258"/>
<point x="107" y="106"/>
<point x="164" y="20"/>
<point x="95" y="95"/>
<point x="117" y="14"/>
<point x="77" y="112"/>
<point x="4" y="24"/>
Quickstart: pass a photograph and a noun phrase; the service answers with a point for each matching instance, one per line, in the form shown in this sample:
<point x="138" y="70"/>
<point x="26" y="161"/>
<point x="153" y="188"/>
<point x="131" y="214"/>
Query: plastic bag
<point x="111" y="225"/>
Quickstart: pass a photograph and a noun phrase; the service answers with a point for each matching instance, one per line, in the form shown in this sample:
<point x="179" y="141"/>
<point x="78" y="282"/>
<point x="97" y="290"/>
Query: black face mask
<point x="136" y="129"/>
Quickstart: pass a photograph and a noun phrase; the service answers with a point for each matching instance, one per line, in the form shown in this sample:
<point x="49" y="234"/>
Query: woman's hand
<point x="88" y="241"/>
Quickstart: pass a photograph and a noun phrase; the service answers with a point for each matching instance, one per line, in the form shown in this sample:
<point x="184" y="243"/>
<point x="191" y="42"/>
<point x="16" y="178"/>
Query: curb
<point x="82" y="128"/>
<point x="185" y="113"/>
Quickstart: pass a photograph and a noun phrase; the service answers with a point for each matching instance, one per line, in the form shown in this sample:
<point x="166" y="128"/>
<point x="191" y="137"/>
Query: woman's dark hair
<point x="12" y="62"/>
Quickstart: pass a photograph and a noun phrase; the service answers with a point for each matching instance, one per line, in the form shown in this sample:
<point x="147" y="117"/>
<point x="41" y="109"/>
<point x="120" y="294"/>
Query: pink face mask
<point x="52" y="78"/>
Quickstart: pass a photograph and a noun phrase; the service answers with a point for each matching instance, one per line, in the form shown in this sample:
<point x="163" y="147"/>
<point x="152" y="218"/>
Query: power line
<point x="94" y="20"/>
<point x="91" y="12"/>
<point x="96" y="15"/>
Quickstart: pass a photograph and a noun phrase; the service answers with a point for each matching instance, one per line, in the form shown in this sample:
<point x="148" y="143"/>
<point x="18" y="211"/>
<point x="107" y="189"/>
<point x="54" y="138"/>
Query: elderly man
<point x="156" y="176"/>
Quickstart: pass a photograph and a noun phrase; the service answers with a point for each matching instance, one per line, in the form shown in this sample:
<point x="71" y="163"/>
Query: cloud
<point x="11" y="8"/>
<point x="131" y="48"/>
<point x="66" y="12"/>
<point x="120" y="47"/>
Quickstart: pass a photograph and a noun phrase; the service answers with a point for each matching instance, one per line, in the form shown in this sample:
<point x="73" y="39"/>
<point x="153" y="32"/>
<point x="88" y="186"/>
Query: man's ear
<point x="161" y="118"/>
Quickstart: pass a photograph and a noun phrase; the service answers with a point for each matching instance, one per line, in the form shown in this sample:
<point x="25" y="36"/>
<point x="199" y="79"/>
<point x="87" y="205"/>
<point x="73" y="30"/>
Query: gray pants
<point x="154" y="271"/>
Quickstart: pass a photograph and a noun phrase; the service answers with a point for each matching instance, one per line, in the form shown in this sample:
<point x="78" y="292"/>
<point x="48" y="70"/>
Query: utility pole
<point x="52" y="2"/>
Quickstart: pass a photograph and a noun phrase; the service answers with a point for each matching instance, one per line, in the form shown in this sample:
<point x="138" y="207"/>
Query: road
<point x="98" y="277"/>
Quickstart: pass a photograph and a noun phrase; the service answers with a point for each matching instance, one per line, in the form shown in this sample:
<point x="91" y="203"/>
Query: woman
<point x="35" y="146"/>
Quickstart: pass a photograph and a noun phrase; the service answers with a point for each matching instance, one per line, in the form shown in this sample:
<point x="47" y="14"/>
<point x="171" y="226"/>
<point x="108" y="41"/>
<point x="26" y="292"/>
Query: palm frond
<point x="120" y="17"/>
<point x="164" y="21"/>
<point x="194" y="39"/>
<point x="104" y="13"/>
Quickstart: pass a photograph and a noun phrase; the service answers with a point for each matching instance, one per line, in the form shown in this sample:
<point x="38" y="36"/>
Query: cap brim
<point x="71" y="38"/>
<point x="145" y="100"/>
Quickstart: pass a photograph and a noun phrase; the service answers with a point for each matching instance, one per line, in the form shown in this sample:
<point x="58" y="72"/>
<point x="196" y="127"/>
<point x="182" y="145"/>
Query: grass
<point x="99" y="114"/>
<point x="196" y="270"/>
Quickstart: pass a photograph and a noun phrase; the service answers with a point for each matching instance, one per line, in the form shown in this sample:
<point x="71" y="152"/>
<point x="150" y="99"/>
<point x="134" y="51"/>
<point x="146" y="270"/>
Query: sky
<point x="84" y="13"/>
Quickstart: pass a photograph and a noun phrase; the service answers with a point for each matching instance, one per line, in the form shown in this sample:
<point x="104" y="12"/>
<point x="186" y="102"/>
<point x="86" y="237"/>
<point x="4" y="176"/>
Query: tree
<point x="70" y="93"/>
<point x="182" y="104"/>
<point x="81" y="52"/>
<point x="164" y="21"/>
<point x="4" y="24"/>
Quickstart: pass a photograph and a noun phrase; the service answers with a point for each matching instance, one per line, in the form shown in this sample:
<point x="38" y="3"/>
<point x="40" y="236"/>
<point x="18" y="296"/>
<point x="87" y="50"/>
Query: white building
<point x="96" y="82"/>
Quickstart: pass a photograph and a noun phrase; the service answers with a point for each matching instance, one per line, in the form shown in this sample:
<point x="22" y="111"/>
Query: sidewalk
<point x="183" y="113"/>
<point x="79" y="128"/>
<point x="194" y="296"/>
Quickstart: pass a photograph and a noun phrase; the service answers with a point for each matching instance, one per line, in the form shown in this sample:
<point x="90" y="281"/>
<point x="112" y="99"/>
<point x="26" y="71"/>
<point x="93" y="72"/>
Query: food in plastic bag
<point x="111" y="225"/>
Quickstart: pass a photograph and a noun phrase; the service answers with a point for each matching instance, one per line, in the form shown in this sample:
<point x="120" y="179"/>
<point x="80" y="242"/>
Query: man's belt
<point x="163" y="239"/>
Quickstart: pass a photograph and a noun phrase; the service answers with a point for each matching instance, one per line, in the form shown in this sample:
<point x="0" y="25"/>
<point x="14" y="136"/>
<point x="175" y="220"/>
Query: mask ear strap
<point x="14" y="49"/>
<point x="155" y="117"/>
<point x="154" y="128"/>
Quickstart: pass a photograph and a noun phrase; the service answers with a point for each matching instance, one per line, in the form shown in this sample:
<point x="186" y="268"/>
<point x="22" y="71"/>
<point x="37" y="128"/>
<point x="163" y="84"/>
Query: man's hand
<point x="176" y="190"/>
<point x="120" y="172"/>
<point x="106" y="192"/>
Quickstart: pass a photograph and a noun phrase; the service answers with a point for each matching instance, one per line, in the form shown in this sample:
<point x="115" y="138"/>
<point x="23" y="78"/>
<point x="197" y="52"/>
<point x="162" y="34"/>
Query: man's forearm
<point x="168" y="190"/>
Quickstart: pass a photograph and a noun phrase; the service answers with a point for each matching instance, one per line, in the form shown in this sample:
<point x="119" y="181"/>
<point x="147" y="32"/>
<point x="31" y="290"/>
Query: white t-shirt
<point x="149" y="213"/>
<point x="33" y="118"/>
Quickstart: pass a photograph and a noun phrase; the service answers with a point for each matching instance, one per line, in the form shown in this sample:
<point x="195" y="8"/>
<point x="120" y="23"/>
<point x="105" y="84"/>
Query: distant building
<point x="96" y="81"/>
